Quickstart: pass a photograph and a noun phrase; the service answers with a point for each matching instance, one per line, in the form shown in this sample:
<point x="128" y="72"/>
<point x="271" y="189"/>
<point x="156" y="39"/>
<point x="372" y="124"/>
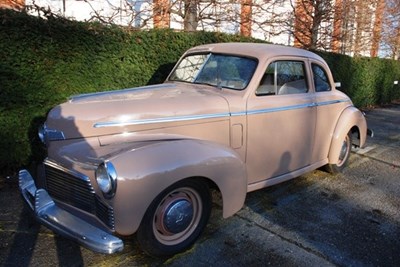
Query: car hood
<point x="137" y="109"/>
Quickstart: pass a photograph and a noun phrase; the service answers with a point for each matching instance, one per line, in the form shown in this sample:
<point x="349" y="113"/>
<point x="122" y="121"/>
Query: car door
<point x="281" y="117"/>
<point x="330" y="104"/>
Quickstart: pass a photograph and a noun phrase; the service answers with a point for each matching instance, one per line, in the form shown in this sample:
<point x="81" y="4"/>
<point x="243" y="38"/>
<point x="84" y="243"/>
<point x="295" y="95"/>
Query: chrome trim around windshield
<point x="160" y="120"/>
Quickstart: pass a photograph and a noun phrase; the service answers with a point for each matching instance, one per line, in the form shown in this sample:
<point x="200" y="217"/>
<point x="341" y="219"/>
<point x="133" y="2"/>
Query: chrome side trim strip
<point x="160" y="120"/>
<point x="270" y="110"/>
<point x="332" y="102"/>
<point x="233" y="114"/>
<point x="308" y="105"/>
<point x="213" y="116"/>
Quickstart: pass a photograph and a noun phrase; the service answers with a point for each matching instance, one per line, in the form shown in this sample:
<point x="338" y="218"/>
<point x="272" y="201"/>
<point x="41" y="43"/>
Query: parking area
<point x="319" y="219"/>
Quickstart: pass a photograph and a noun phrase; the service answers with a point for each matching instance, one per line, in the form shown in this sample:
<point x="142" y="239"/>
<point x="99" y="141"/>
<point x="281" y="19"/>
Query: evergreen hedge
<point x="368" y="81"/>
<point x="43" y="61"/>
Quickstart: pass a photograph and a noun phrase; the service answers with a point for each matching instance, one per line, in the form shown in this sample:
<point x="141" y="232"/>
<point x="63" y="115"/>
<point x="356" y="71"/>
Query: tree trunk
<point x="161" y="13"/>
<point x="360" y="21"/>
<point x="190" y="21"/>
<point x="396" y="54"/>
<point x="303" y="23"/>
<point x="337" y="26"/>
<point x="245" y="18"/>
<point x="377" y="30"/>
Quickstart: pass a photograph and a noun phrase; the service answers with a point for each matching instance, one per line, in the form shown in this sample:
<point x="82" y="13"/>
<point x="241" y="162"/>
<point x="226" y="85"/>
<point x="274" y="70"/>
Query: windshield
<point x="219" y="70"/>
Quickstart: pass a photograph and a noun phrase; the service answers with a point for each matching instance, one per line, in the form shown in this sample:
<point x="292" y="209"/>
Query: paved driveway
<point x="350" y="219"/>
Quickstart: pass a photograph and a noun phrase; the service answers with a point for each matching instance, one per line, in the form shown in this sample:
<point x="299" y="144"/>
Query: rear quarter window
<point x="321" y="80"/>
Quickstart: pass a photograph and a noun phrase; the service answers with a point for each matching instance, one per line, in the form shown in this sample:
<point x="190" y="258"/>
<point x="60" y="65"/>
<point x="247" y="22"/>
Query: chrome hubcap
<point x="178" y="216"/>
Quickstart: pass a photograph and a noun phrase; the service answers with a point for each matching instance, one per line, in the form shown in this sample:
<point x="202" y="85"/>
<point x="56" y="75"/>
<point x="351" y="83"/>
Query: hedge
<point x="43" y="61"/>
<point x="368" y="81"/>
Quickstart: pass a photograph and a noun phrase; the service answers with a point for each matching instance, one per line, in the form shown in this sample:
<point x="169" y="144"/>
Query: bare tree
<point x="272" y="18"/>
<point x="357" y="27"/>
<point x="245" y="17"/>
<point x="343" y="26"/>
<point x="377" y="28"/>
<point x="344" y="37"/>
<point x="192" y="13"/>
<point x="391" y="29"/>
<point x="133" y="14"/>
<point x="190" y="21"/>
<point x="312" y="23"/>
<point x="362" y="21"/>
<point x="337" y="26"/>
<point x="161" y="13"/>
<point x="187" y="11"/>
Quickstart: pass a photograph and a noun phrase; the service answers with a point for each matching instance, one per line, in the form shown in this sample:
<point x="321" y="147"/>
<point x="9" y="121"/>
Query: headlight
<point x="106" y="177"/>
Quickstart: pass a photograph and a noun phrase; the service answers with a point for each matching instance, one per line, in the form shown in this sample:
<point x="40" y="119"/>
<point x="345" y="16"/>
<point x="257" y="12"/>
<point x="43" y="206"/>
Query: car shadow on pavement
<point x="68" y="252"/>
<point x="25" y="238"/>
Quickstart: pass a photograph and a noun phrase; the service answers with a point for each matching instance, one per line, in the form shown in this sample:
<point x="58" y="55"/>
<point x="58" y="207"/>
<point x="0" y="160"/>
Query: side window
<point x="282" y="78"/>
<point x="321" y="81"/>
<point x="267" y="84"/>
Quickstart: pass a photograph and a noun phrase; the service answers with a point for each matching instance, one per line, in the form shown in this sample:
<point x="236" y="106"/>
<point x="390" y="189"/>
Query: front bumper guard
<point x="63" y="222"/>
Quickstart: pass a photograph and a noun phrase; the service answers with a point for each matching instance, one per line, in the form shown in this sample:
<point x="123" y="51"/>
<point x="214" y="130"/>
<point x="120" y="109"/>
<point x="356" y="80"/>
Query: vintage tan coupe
<point x="234" y="117"/>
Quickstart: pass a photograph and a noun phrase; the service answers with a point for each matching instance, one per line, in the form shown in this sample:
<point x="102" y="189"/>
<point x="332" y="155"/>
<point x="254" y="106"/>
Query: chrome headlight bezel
<point x="106" y="178"/>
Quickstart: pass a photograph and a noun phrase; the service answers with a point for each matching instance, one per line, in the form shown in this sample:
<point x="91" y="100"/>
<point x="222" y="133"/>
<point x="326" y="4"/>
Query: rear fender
<point x="350" y="117"/>
<point x="145" y="172"/>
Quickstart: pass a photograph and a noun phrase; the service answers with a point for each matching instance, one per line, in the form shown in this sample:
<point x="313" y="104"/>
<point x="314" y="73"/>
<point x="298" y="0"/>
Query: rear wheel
<point x="344" y="155"/>
<point x="175" y="219"/>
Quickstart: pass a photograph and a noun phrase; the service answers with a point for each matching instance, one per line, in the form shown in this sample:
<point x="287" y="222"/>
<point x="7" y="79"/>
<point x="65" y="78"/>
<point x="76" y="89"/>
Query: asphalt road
<point x="319" y="219"/>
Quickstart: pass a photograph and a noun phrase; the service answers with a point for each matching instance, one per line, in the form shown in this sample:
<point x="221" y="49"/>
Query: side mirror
<point x="338" y="84"/>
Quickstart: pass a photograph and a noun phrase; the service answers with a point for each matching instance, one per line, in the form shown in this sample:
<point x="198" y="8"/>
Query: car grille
<point x="76" y="190"/>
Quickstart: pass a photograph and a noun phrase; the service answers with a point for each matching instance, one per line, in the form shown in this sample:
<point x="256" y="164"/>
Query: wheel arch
<point x="351" y="120"/>
<point x="175" y="218"/>
<point x="154" y="168"/>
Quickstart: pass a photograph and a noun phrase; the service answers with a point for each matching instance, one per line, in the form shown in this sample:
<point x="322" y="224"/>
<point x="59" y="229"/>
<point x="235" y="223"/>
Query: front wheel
<point x="343" y="155"/>
<point x="175" y="218"/>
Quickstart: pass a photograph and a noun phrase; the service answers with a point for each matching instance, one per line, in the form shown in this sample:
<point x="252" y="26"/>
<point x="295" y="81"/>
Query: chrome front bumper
<point x="63" y="222"/>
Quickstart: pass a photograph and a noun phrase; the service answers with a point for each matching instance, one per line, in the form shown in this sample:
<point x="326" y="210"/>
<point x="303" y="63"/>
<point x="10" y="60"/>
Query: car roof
<point x="257" y="50"/>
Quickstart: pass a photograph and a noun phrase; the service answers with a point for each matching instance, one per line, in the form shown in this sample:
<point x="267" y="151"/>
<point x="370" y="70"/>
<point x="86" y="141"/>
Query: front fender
<point x="145" y="172"/>
<point x="350" y="117"/>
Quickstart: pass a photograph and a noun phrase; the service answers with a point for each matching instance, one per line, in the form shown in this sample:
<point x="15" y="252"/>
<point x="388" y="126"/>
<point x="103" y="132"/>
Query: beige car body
<point x="158" y="135"/>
